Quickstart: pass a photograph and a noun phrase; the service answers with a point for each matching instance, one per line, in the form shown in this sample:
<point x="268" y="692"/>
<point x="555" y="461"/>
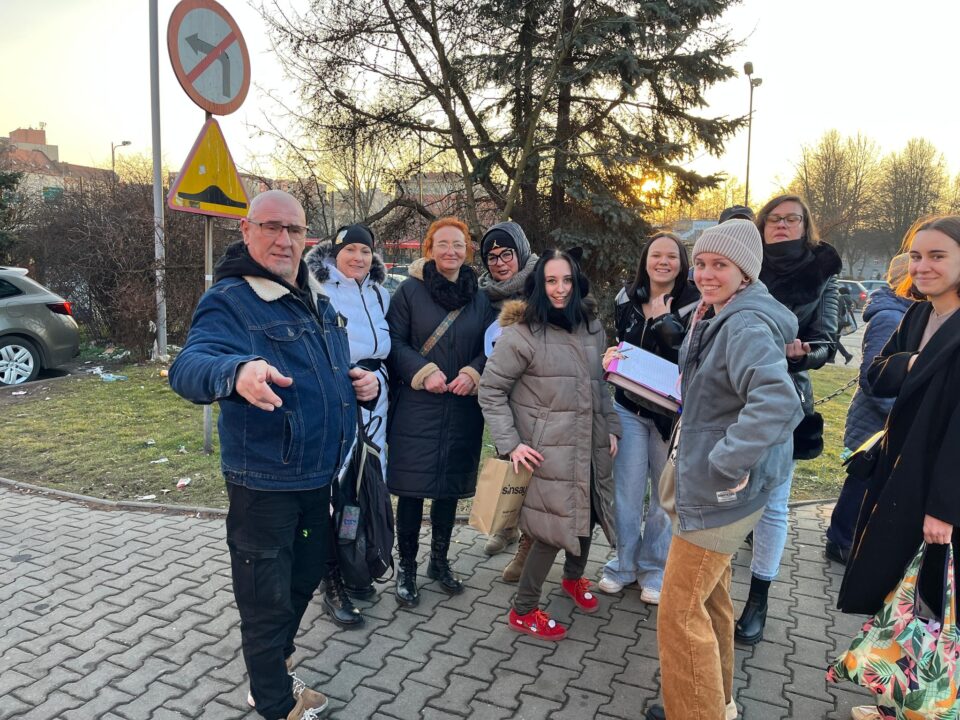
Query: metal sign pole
<point x="158" y="247"/>
<point x="207" y="282"/>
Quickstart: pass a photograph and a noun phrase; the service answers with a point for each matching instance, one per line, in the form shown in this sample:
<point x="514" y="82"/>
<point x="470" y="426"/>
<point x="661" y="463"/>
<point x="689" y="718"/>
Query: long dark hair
<point x="537" y="314"/>
<point x="810" y="233"/>
<point x="640" y="288"/>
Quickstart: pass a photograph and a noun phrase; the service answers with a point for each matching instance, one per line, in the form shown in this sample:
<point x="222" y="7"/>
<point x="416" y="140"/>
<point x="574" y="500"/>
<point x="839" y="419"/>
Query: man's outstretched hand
<point x="253" y="384"/>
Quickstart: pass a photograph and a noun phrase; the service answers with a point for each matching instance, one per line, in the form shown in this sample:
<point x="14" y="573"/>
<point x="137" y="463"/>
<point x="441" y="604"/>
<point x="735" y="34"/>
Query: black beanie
<point x="497" y="238"/>
<point x="349" y="234"/>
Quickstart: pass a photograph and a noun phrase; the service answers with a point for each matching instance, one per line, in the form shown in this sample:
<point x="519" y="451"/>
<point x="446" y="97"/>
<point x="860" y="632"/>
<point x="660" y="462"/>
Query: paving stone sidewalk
<point x="130" y="615"/>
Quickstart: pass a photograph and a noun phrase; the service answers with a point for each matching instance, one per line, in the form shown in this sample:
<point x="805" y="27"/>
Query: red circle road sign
<point x="209" y="55"/>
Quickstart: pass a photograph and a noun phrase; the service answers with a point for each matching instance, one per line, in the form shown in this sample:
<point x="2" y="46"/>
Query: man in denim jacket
<point x="279" y="365"/>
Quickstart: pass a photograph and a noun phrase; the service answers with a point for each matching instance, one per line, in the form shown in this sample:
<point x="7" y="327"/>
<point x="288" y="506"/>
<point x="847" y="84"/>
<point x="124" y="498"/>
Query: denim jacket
<point x="301" y="444"/>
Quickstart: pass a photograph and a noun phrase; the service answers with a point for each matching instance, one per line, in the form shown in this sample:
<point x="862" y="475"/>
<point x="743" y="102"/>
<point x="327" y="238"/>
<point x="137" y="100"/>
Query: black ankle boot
<point x="337" y="603"/>
<point x="750" y="626"/>
<point x="439" y="567"/>
<point x="406" y="591"/>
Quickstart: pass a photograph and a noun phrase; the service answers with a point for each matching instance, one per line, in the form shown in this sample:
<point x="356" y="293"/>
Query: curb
<point x="116" y="504"/>
<point x="205" y="511"/>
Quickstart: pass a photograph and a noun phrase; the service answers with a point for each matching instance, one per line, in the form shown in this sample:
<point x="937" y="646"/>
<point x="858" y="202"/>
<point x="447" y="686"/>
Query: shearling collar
<point x="266" y="290"/>
<point x="320" y="259"/>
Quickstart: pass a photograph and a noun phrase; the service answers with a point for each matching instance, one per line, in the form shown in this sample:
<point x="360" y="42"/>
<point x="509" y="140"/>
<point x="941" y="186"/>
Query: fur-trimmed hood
<point x="512" y="311"/>
<point x="804" y="284"/>
<point x="320" y="262"/>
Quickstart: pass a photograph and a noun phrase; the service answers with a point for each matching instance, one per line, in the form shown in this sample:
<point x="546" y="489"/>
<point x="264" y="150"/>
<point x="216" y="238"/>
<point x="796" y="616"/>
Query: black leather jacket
<point x="662" y="336"/>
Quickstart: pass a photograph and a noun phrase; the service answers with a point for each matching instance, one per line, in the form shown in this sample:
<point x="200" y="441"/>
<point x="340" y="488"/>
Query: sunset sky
<point x="880" y="68"/>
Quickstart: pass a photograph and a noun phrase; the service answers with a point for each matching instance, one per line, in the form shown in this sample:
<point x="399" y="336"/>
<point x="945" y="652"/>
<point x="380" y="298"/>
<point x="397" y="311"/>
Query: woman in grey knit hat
<point x="738" y="414"/>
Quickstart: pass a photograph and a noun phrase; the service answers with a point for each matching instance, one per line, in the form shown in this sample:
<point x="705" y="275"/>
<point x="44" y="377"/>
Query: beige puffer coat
<point x="546" y="389"/>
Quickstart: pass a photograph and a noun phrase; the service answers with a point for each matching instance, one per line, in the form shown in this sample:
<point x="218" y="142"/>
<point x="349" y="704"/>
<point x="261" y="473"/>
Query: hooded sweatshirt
<point x="739" y="410"/>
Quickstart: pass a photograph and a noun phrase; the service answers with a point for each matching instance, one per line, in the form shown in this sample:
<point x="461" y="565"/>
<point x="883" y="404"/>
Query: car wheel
<point x="19" y="361"/>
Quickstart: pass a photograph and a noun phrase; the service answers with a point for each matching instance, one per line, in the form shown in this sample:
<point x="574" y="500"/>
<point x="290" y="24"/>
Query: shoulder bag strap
<point x="439" y="332"/>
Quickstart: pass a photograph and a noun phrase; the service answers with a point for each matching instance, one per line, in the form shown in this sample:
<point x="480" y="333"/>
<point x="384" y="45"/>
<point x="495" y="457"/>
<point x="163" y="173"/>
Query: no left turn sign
<point x="209" y="55"/>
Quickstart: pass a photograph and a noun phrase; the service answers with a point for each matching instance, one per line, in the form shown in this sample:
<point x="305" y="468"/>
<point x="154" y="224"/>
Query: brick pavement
<point x="129" y="615"/>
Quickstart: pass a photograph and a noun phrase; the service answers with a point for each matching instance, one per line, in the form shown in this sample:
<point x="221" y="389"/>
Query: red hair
<point x="448" y="221"/>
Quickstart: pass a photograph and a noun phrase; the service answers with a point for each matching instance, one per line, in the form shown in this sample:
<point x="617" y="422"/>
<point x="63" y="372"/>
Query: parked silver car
<point x="37" y="329"/>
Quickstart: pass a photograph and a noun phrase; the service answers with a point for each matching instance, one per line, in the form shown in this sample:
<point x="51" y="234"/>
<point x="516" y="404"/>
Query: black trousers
<point x="443" y="514"/>
<point x="281" y="544"/>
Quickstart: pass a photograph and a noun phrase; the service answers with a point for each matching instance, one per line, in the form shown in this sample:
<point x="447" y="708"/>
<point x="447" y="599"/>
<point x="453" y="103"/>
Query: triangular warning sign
<point x="209" y="183"/>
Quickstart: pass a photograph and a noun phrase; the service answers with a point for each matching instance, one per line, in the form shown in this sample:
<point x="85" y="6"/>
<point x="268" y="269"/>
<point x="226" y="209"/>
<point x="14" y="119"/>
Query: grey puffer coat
<point x="545" y="388"/>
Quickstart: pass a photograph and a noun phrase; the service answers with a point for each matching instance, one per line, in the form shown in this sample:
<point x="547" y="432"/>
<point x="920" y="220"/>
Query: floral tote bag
<point x="907" y="660"/>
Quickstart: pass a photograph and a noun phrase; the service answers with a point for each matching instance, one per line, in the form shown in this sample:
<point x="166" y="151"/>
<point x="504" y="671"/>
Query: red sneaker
<point x="579" y="590"/>
<point x="536" y="623"/>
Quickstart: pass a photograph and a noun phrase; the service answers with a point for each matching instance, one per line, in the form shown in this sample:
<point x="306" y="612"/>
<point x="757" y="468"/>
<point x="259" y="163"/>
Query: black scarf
<point x="784" y="258"/>
<point x="450" y="295"/>
<point x="556" y="316"/>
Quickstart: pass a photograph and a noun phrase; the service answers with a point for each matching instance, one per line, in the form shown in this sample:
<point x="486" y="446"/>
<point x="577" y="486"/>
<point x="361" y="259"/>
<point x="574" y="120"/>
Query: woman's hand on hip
<point x="526" y="456"/>
<point x="613" y="445"/>
<point x="436" y="383"/>
<point x="936" y="532"/>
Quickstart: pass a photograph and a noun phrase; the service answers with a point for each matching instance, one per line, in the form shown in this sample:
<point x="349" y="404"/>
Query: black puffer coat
<point x="434" y="440"/>
<point x="809" y="290"/>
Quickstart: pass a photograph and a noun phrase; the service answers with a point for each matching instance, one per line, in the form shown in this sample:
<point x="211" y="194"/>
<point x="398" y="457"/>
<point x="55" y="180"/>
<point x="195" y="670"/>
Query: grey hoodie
<point x="739" y="410"/>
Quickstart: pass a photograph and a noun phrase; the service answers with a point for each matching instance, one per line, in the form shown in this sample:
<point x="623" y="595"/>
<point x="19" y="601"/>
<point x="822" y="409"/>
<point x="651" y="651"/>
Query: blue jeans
<point x="843" y="521"/>
<point x="770" y="535"/>
<point x="640" y="556"/>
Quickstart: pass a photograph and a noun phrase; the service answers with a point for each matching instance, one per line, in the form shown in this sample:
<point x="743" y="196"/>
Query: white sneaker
<point x="865" y="712"/>
<point x="652" y="597"/>
<point x="731" y="711"/>
<point x="609" y="586"/>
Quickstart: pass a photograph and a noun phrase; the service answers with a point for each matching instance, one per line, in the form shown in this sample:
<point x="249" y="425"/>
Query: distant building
<point x="43" y="173"/>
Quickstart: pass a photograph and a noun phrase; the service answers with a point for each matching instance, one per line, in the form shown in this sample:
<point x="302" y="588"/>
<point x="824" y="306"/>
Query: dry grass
<point x="101" y="439"/>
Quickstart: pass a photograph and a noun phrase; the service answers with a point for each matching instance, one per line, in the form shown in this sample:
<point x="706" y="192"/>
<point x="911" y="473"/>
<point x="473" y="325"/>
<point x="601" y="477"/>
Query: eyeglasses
<point x="790" y="219"/>
<point x="505" y="257"/>
<point x="272" y="229"/>
<point x="444" y="246"/>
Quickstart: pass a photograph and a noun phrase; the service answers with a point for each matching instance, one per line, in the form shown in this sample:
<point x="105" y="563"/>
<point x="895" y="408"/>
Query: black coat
<point x="434" y="440"/>
<point x="917" y="471"/>
<point x="810" y="292"/>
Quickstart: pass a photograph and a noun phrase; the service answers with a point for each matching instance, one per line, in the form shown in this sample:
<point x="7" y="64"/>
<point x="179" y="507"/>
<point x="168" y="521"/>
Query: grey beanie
<point x="737" y="240"/>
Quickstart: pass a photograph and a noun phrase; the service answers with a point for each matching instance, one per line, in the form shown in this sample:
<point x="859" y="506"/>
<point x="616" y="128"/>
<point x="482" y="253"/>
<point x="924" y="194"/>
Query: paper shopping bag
<point x="500" y="494"/>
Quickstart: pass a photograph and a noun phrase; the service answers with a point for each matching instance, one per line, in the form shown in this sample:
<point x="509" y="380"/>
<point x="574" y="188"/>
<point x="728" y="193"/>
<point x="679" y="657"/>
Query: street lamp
<point x="754" y="83"/>
<point x="113" y="156"/>
<point x="420" y="180"/>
